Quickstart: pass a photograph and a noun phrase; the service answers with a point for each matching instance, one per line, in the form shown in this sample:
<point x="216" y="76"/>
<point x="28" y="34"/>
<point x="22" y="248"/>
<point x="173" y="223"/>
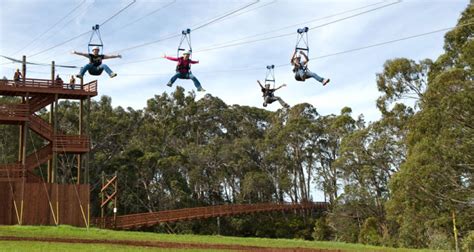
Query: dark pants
<point x="271" y="99"/>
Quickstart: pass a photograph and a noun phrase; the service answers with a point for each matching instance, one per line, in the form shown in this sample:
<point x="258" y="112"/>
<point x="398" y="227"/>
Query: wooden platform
<point x="40" y="86"/>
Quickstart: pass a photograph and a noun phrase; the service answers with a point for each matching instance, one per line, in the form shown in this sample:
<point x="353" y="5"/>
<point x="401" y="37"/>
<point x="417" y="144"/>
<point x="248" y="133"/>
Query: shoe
<point x="113" y="75"/>
<point x="264" y="104"/>
<point x="287" y="106"/>
<point x="169" y="84"/>
<point x="201" y="89"/>
<point x="325" y="81"/>
<point x="79" y="76"/>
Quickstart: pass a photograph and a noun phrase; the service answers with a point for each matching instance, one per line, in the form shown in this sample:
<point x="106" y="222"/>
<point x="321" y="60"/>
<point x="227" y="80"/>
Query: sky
<point x="229" y="73"/>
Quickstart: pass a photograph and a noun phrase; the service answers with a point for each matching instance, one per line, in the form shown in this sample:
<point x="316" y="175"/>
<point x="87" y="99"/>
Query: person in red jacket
<point x="183" y="70"/>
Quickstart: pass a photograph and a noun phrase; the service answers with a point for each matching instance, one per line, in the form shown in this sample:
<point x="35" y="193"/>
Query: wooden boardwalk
<point x="131" y="221"/>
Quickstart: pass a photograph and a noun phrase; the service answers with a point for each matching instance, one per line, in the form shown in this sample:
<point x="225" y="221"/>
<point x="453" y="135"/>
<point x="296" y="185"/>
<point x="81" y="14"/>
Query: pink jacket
<point x="183" y="65"/>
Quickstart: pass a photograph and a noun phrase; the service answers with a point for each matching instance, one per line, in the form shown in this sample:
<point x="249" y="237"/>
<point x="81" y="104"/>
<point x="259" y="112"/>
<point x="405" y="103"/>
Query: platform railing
<point x="66" y="143"/>
<point x="39" y="157"/>
<point x="41" y="127"/>
<point x="11" y="172"/>
<point x="43" y="83"/>
<point x="14" y="111"/>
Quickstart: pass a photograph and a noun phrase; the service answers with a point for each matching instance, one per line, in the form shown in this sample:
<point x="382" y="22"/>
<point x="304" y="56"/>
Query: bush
<point x="322" y="231"/>
<point x="368" y="233"/>
<point x="468" y="242"/>
<point x="439" y="241"/>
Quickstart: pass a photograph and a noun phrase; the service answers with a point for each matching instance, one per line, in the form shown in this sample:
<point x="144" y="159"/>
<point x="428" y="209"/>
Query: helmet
<point x="188" y="52"/>
<point x="95" y="48"/>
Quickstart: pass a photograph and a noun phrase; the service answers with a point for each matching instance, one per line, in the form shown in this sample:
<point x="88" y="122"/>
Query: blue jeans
<point x="308" y="74"/>
<point x="186" y="76"/>
<point x="86" y="68"/>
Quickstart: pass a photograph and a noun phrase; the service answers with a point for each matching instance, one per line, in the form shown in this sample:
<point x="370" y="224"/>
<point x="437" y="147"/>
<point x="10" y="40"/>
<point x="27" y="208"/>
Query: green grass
<point x="94" y="233"/>
<point x="53" y="246"/>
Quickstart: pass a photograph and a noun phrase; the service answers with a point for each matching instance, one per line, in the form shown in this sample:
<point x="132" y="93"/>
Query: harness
<point x="182" y="66"/>
<point x="302" y="44"/>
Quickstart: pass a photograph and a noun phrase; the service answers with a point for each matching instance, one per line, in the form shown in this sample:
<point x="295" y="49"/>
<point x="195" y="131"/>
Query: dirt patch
<point x="157" y="244"/>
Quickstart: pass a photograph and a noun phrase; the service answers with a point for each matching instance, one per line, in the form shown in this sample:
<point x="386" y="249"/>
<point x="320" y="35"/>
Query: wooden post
<point x="52" y="72"/>
<point x="51" y="111"/>
<point x="87" y="131"/>
<point x="20" y="143"/>
<point x="55" y="132"/>
<point x="79" y="156"/>
<point x="23" y="68"/>
<point x="25" y="171"/>
<point x="50" y="161"/>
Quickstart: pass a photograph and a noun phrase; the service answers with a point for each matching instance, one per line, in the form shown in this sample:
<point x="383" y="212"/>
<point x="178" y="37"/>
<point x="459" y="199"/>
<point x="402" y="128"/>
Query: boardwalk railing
<point x="149" y="219"/>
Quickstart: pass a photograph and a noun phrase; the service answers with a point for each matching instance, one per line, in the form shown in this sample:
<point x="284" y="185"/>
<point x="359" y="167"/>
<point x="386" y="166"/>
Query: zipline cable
<point x="224" y="16"/>
<point x="78" y="14"/>
<point x="82" y="34"/>
<point x="149" y="14"/>
<point x="283" y="35"/>
<point x="133" y="22"/>
<point x="336" y="53"/>
<point x="296" y="25"/>
<point x="37" y="64"/>
<point x="120" y="11"/>
<point x="179" y="35"/>
<point x="326" y="55"/>
<point x="292" y="33"/>
<point x="243" y="12"/>
<point x="383" y="43"/>
<point x="50" y="28"/>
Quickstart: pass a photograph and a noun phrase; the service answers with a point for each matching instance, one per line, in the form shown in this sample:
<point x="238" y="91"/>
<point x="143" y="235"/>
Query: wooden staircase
<point x="38" y="94"/>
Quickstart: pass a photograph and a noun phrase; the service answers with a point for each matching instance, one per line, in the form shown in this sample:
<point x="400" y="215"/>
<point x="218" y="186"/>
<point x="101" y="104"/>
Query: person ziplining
<point x="300" y="65"/>
<point x="95" y="65"/>
<point x="183" y="68"/>
<point x="269" y="95"/>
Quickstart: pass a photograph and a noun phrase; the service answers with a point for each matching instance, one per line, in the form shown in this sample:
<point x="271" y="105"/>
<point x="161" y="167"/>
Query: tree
<point x="437" y="177"/>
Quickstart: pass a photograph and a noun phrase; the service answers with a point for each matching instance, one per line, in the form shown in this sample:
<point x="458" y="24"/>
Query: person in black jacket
<point x="95" y="62"/>
<point x="269" y="97"/>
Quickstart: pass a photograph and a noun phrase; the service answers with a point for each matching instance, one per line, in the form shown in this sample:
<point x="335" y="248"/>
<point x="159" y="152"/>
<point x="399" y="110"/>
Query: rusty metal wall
<point x="37" y="210"/>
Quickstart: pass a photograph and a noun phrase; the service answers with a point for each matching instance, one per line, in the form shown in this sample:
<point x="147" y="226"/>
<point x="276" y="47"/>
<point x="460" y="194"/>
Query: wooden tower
<point x="30" y="199"/>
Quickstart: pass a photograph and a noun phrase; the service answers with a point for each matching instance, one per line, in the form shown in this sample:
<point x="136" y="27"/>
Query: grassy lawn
<point x="52" y="246"/>
<point x="95" y="233"/>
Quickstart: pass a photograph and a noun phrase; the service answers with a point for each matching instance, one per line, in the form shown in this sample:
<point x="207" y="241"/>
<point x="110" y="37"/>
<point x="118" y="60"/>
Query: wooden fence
<point x="37" y="210"/>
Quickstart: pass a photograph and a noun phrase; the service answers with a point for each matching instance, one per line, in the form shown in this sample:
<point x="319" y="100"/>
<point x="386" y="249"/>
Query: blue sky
<point x="352" y="75"/>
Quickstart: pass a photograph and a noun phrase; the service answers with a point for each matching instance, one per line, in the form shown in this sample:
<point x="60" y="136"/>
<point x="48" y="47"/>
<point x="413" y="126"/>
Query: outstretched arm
<point x="80" y="54"/>
<point x="193" y="61"/>
<point x="260" y="84"/>
<point x="112" y="56"/>
<point x="170" y="58"/>
<point x="283" y="85"/>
